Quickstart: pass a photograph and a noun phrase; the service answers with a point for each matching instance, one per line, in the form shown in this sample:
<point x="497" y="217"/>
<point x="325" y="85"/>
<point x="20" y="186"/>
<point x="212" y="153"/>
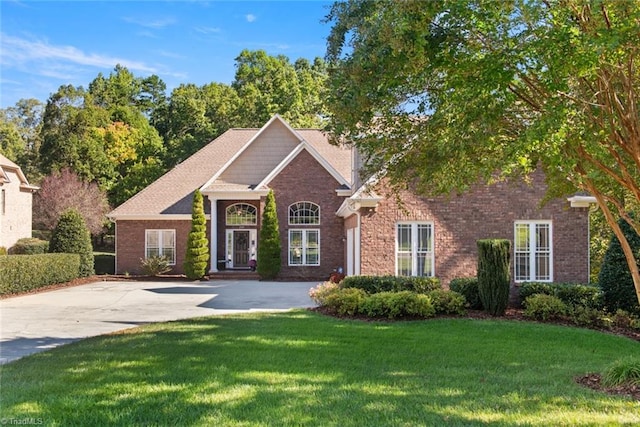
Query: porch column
<point x="213" y="241"/>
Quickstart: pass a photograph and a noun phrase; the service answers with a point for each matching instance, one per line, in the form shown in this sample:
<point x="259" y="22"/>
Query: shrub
<point x="197" y="256"/>
<point x="397" y="304"/>
<point x="615" y="279"/>
<point x="569" y="293"/>
<point x="30" y="246"/>
<point x="533" y="288"/>
<point x="588" y="317"/>
<point x="104" y="264"/>
<point x="622" y="319"/>
<point x="376" y="284"/>
<point x="544" y="307"/>
<point x="155" y="265"/>
<point x="447" y="302"/>
<point x="20" y="273"/>
<point x="467" y="287"/>
<point x="269" y="251"/>
<point x="625" y="371"/>
<point x="345" y="301"/>
<point x="493" y="274"/>
<point x="72" y="236"/>
<point x="3" y="250"/>
<point x="322" y="291"/>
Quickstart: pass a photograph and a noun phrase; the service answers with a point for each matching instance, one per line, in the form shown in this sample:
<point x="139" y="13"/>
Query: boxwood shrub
<point x="376" y="284"/>
<point x="20" y="273"/>
<point x="397" y="304"/>
<point x="544" y="307"/>
<point x="447" y="302"/>
<point x="30" y="246"/>
<point x="571" y="294"/>
<point x="467" y="287"/>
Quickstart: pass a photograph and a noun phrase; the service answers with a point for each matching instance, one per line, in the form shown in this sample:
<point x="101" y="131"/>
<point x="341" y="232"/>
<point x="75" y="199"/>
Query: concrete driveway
<point x="41" y="321"/>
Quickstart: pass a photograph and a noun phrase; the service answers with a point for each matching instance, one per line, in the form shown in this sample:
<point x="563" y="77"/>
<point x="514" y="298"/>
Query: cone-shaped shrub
<point x="269" y="257"/>
<point x="71" y="236"/>
<point x="493" y="274"/>
<point x="197" y="256"/>
<point x="615" y="278"/>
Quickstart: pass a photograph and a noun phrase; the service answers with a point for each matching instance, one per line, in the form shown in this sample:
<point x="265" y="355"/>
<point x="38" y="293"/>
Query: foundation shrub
<point x="588" y="317"/>
<point x="320" y="293"/>
<point x="345" y="302"/>
<point x="376" y="284"/>
<point x="20" y="273"/>
<point x="544" y="307"/>
<point x="467" y="287"/>
<point x="30" y="246"/>
<point x="493" y="274"/>
<point x="571" y="294"/>
<point x="447" y="302"/>
<point x="155" y="265"/>
<point x="397" y="304"/>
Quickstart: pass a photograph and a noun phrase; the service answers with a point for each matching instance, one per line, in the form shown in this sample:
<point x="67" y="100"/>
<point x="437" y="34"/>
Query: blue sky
<point x="46" y="44"/>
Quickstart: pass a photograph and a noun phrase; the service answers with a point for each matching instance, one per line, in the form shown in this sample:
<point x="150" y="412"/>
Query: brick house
<point x="328" y="220"/>
<point x="16" y="202"/>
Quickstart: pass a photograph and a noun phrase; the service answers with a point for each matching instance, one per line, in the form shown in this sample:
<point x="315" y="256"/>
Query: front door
<point x="240" y="248"/>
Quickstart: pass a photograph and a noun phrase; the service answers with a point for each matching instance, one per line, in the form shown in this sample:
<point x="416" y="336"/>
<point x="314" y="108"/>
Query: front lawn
<point x="304" y="369"/>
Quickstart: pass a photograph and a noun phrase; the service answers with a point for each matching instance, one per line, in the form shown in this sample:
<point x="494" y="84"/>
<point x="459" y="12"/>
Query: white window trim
<point x="297" y="224"/>
<point x="304" y="247"/>
<point x="414" y="250"/>
<point x="226" y="215"/>
<point x="532" y="250"/>
<point x="160" y="245"/>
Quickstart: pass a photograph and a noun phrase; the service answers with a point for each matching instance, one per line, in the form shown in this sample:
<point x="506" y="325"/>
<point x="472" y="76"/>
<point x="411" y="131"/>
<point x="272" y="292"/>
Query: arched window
<point x="242" y="214"/>
<point x="302" y="213"/>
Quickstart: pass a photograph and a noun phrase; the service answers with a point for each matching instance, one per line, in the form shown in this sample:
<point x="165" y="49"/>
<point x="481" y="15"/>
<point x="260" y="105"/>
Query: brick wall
<point x="304" y="179"/>
<point x="484" y="212"/>
<point x="130" y="240"/>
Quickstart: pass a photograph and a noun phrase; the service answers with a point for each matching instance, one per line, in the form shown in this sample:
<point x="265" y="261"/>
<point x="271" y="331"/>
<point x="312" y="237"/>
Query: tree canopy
<point x="445" y="93"/>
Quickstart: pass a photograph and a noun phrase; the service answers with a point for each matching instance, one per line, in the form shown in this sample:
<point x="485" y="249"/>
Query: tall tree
<point x="269" y="248"/>
<point x="508" y="86"/>
<point x="20" y="137"/>
<point x="65" y="190"/>
<point x="197" y="256"/>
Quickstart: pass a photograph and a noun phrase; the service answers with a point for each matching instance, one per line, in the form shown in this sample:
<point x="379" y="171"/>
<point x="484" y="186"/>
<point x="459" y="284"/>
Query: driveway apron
<point x="38" y="322"/>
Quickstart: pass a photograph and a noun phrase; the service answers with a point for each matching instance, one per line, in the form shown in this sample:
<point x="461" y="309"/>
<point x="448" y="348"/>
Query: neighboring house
<point x="16" y="196"/>
<point x="327" y="220"/>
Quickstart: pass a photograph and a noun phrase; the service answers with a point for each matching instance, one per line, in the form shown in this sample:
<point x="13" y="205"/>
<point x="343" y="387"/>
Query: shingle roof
<point x="173" y="192"/>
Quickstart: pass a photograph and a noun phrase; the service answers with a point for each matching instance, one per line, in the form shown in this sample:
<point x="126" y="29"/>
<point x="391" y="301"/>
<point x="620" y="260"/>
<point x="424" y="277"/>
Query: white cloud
<point x="18" y="52"/>
<point x="251" y="17"/>
<point x="155" y="23"/>
<point x="208" y="30"/>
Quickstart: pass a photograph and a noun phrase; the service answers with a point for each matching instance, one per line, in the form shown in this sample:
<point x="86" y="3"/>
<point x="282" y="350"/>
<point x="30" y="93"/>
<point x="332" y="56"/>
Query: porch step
<point x="234" y="275"/>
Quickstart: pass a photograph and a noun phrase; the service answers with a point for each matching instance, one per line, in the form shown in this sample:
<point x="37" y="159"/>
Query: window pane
<point x="168" y="239"/>
<point x="170" y="254"/>
<point x="313" y="256"/>
<point x="151" y="252"/>
<point x="522" y="266"/>
<point x="425" y="269"/>
<point x="153" y="239"/>
<point x="404" y="264"/>
<point x="522" y="237"/>
<point x="241" y="214"/>
<point x="424" y="237"/>
<point x="304" y="213"/>
<point x="542" y="267"/>
<point x="542" y="237"/>
<point x="404" y="237"/>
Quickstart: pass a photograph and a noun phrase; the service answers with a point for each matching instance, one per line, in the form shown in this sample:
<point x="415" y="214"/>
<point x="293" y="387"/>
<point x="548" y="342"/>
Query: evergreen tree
<point x="197" y="257"/>
<point x="72" y="236"/>
<point x="493" y="274"/>
<point x="269" y="251"/>
<point x="615" y="278"/>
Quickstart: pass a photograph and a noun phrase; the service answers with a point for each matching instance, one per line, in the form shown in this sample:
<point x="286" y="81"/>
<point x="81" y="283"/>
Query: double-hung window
<point x="304" y="243"/>
<point x="533" y="251"/>
<point x="161" y="243"/>
<point x="414" y="249"/>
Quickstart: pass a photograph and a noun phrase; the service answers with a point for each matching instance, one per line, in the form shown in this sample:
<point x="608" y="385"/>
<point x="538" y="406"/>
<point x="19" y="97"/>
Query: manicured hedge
<point x="19" y="273"/>
<point x="467" y="287"/>
<point x="30" y="246"/>
<point x="569" y="293"/>
<point x="376" y="284"/>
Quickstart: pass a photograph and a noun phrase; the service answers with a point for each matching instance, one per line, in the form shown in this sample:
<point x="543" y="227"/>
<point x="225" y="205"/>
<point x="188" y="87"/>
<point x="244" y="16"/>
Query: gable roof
<point x="6" y="166"/>
<point x="236" y="164"/>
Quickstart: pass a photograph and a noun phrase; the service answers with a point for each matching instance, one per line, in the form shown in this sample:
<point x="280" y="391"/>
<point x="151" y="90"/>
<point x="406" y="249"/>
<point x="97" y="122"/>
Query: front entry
<point x="241" y="248"/>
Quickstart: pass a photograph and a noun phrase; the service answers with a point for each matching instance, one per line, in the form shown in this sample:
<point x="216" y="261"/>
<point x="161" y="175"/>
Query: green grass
<point x="302" y="369"/>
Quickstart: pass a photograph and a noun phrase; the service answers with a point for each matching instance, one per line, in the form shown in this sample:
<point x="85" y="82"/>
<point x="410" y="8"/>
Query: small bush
<point x="320" y="293"/>
<point x="533" y="288"/>
<point x="467" y="287"/>
<point x="155" y="265"/>
<point x="544" y="307"/>
<point x="20" y="273"/>
<point x="588" y="317"/>
<point x="3" y="250"/>
<point x="447" y="302"/>
<point x="572" y="294"/>
<point x="622" y="319"/>
<point x="30" y="246"/>
<point x="376" y="284"/>
<point x="71" y="236"/>
<point x="345" y="301"/>
<point x="625" y="371"/>
<point x="397" y="304"/>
